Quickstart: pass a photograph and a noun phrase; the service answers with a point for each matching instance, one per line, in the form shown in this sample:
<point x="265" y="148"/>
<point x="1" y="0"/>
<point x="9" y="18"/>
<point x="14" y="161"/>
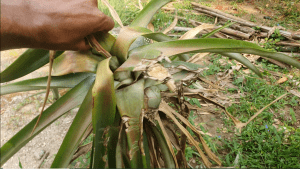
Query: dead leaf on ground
<point x="246" y="71"/>
<point x="195" y="58"/>
<point x="282" y="80"/>
<point x="295" y="92"/>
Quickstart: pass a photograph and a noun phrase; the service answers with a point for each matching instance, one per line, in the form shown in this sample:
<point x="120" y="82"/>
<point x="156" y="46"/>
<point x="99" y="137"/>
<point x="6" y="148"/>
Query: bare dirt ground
<point x="19" y="109"/>
<point x="260" y="12"/>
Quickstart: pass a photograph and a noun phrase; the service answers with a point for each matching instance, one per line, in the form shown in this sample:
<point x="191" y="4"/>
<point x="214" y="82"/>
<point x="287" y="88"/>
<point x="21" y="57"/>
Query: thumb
<point x="104" y="23"/>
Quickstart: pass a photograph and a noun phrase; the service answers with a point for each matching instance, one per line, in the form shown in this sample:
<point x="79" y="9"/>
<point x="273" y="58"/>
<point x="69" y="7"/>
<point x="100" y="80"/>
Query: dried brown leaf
<point x="247" y="71"/>
<point x="113" y="13"/>
<point x="165" y="108"/>
<point x="151" y="144"/>
<point x="166" y="137"/>
<point x="195" y="58"/>
<point x="150" y="27"/>
<point x="82" y="150"/>
<point x="186" y="122"/>
<point x="140" y="5"/>
<point x="282" y="80"/>
<point x="173" y="138"/>
<point x="159" y="72"/>
<point x="295" y="92"/>
<point x="235" y="121"/>
<point x="210" y="83"/>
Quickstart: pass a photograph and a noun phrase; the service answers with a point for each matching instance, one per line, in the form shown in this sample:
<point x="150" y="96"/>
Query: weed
<point x="252" y="19"/>
<point x="125" y="15"/>
<point x="262" y="146"/>
<point x="183" y="5"/>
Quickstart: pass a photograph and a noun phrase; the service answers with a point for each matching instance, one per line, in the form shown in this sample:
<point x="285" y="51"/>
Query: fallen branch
<point x="220" y="14"/>
<point x="225" y="30"/>
<point x="288" y="43"/>
<point x="244" y="29"/>
<point x="289" y="49"/>
<point x="280" y="64"/>
<point x="236" y="33"/>
<point x="261" y="110"/>
<point x="291" y="54"/>
<point x="262" y="34"/>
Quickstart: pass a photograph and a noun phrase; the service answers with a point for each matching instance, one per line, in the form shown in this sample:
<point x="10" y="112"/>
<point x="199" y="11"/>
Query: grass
<point x="260" y="144"/>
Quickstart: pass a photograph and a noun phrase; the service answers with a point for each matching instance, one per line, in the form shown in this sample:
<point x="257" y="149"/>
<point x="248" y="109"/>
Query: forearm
<point x="12" y="35"/>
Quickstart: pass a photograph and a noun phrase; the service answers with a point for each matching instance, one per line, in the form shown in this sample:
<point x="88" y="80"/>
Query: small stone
<point x="39" y="154"/>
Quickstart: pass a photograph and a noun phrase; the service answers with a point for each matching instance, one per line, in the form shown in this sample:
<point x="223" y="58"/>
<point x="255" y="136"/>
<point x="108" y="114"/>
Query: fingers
<point x="82" y="46"/>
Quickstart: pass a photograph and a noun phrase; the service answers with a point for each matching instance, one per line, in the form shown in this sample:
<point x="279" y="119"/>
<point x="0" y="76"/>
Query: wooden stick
<point x="262" y="34"/>
<point x="235" y="33"/>
<point x="225" y="16"/>
<point x="291" y="54"/>
<point x="280" y="64"/>
<point x="288" y="43"/>
<point x="220" y="14"/>
<point x="225" y="30"/>
<point x="238" y="27"/>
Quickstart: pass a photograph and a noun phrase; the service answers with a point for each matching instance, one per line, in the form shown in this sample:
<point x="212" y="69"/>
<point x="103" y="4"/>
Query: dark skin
<point x="50" y="24"/>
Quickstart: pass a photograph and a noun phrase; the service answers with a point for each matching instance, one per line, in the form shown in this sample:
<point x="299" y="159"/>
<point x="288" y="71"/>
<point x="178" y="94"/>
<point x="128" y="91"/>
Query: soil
<point x="19" y="109"/>
<point x="258" y="11"/>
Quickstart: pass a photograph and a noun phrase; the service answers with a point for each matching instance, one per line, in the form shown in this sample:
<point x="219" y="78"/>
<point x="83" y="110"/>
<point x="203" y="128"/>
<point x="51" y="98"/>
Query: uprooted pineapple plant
<point x="122" y="86"/>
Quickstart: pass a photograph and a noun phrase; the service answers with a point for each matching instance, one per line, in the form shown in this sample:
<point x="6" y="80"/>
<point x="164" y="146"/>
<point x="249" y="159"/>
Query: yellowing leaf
<point x="193" y="32"/>
<point x="113" y="13"/>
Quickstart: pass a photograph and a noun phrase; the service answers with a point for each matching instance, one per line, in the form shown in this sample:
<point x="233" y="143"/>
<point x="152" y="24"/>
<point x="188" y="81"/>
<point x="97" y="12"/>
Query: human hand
<point x="50" y="24"/>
